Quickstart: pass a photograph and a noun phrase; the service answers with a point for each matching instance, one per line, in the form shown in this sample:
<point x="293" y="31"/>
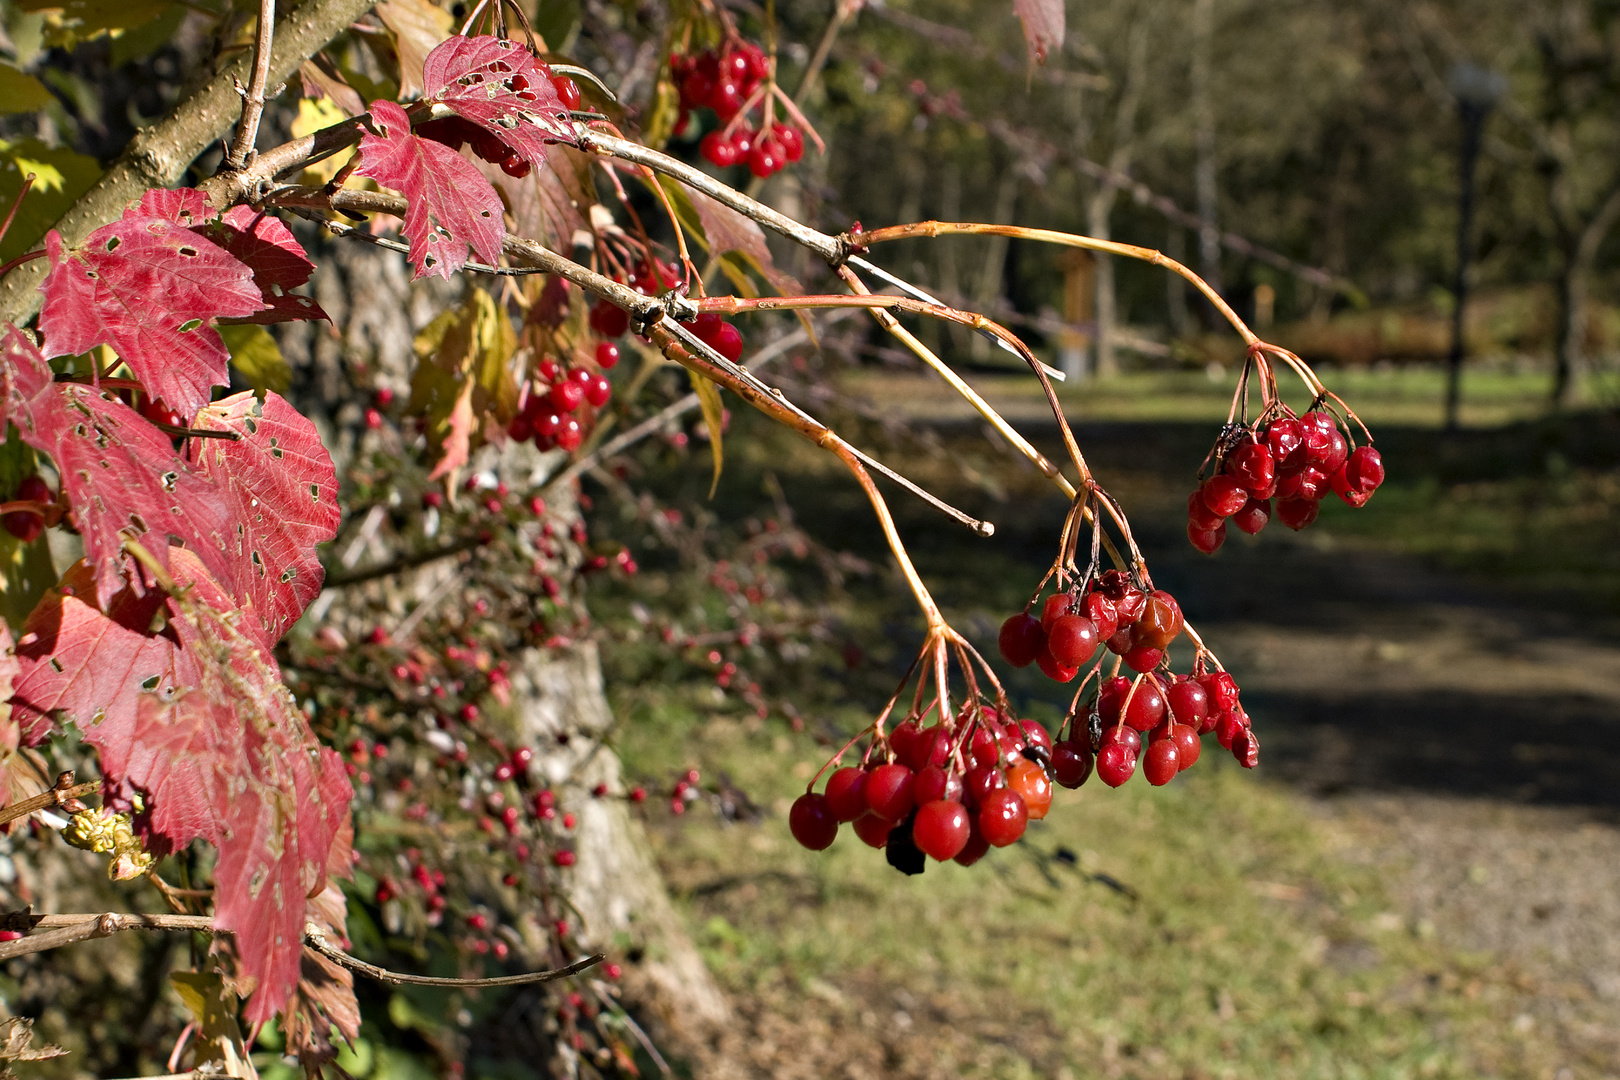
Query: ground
<point x="1422" y="879"/>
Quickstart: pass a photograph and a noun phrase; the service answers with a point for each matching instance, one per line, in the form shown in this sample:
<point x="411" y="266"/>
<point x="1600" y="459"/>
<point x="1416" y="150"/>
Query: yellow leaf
<point x="60" y="177"/>
<point x="21" y="93"/>
<point x="313" y="115"/>
<point x="714" y="412"/>
<point x="257" y="356"/>
<point x="463" y="382"/>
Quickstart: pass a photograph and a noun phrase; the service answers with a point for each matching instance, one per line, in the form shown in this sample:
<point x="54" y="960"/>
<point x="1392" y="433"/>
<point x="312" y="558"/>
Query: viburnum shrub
<point x="200" y="518"/>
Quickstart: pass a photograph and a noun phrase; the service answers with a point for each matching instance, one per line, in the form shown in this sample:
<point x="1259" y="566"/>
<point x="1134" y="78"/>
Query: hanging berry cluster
<point x="554" y="398"/>
<point x="733" y="83"/>
<point x="1294" y="460"/>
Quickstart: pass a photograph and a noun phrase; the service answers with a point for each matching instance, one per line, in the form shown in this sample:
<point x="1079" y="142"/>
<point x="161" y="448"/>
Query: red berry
<point x="934" y="782"/>
<point x="1115" y="764"/>
<point x="563" y="858"/>
<point x="1229" y="725"/>
<point x="607" y="355"/>
<point x="1021" y="639"/>
<point x="941" y="829"/>
<point x="570" y="434"/>
<point x="1034" y="734"/>
<point x="1364" y="470"/>
<point x="1208" y="541"/>
<point x="728" y="342"/>
<point x="608" y="320"/>
<point x="1188" y="745"/>
<point x="516" y="166"/>
<point x="1160" y="621"/>
<point x="1246" y="748"/>
<point x="1072" y="640"/>
<point x="902" y="738"/>
<point x="1297" y="513"/>
<point x="1033" y="786"/>
<point x="1053" y="668"/>
<point x="1003" y="817"/>
<point x="791" y="142"/>
<point x="764" y="159"/>
<point x="981" y="782"/>
<point x="1199" y="515"/>
<point x="1071" y="763"/>
<point x="1128" y="737"/>
<point x="598" y="390"/>
<point x="1188" y="701"/>
<point x="1254" y="516"/>
<point x="1285" y="438"/>
<point x="726" y="98"/>
<point x="718" y="150"/>
<point x="977" y="845"/>
<point x="566" y="396"/>
<point x="1252" y="466"/>
<point x="846" y="793"/>
<point x="812" y="823"/>
<point x="1162" y="762"/>
<point x="567" y="90"/>
<point x="1223" y="495"/>
<point x="1143" y="658"/>
<point x="873" y="830"/>
<point x="888" y="791"/>
<point x="490" y="147"/>
<point x="1102" y="613"/>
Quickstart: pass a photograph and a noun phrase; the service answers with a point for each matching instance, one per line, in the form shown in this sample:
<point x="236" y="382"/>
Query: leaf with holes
<point x="199" y="722"/>
<point x="452" y="207"/>
<point x="280" y="492"/>
<point x="1043" y="26"/>
<point x="151" y="287"/>
<point x="476" y="77"/>
<point x="119" y="473"/>
<point x="277" y="260"/>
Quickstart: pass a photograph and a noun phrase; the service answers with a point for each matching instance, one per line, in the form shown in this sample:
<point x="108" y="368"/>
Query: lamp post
<point x="1477" y="91"/>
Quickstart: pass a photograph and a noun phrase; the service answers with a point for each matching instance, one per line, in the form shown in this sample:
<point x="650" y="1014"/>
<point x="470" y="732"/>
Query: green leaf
<point x="69" y="22"/>
<point x="60" y="177"/>
<point x="20" y="93"/>
<point x="256" y="355"/>
<point x="713" y="415"/>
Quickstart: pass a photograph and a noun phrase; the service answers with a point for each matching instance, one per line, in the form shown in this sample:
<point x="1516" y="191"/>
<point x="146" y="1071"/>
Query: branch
<point x="64" y="790"/>
<point x="68" y="929"/>
<point x="241" y="153"/>
<point x="159" y="155"/>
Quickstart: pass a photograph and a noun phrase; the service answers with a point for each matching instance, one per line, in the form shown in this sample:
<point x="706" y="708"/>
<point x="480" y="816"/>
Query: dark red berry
<point x="1071" y="763"/>
<point x="1021" y="640"/>
<point x="1252" y="466"/>
<point x="1297" y="513"/>
<point x="1223" y="495"/>
<point x="1228" y="725"/>
<point x="941" y="829"/>
<point x="567" y="91"/>
<point x="1221" y="688"/>
<point x="1161" y="762"/>
<point x="1102" y="613"/>
<point x="873" y="830"/>
<point x="516" y="166"/>
<point x="1034" y="734"/>
<point x="934" y="782"/>
<point x="1208" y="541"/>
<point x="888" y="791"/>
<point x="1254" y="516"/>
<point x="1003" y="817"/>
<point x="1199" y="515"/>
<point x="1285" y="438"/>
<point x="608" y="320"/>
<point x="791" y="142"/>
<point x="1364" y="470"/>
<point x="976" y="846"/>
<point x="1188" y="701"/>
<point x="1188" y="745"/>
<point x="981" y="782"/>
<point x="1143" y="658"/>
<point x="1072" y="640"/>
<point x="1115" y="764"/>
<point x="1055" y="607"/>
<point x="1053" y="668"/>
<point x="1246" y="748"/>
<point x="846" y="793"/>
<point x="812" y="823"/>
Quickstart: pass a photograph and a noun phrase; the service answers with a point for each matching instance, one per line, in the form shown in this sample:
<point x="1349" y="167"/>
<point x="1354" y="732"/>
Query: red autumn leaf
<point x="474" y="76"/>
<point x="1043" y="26"/>
<point x="280" y="492"/>
<point x="119" y="473"/>
<point x="203" y="727"/>
<point x="452" y="207"/>
<point x="324" y="1003"/>
<point x="277" y="260"/>
<point x="727" y="230"/>
<point x="151" y="287"/>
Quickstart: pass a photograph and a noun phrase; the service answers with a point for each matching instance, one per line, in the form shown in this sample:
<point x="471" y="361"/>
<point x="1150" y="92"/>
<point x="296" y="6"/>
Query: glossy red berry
<point x="1021" y="640"/>
<point x="846" y="793"/>
<point x="1188" y="701"/>
<point x="933" y="782"/>
<point x="1199" y="515"/>
<point x="1254" y="516"/>
<point x="598" y="390"/>
<point x="1054" y="607"/>
<point x="1034" y="734"/>
<point x="888" y="791"/>
<point x="566" y="396"/>
<point x="1253" y="467"/>
<point x="1188" y="745"/>
<point x="1246" y="748"/>
<point x="1071" y="762"/>
<point x="1003" y="817"/>
<point x="1115" y="764"/>
<point x="981" y="782"/>
<point x="607" y="355"/>
<point x="1228" y="725"/>
<point x="1161" y="762"/>
<point x="1102" y="613"/>
<point x="1053" y="668"/>
<point x="516" y="166"/>
<point x="941" y="829"/>
<point x="812" y="823"/>
<point x="567" y="91"/>
<point x="718" y="150"/>
<point x="873" y="830"/>
<point x="903" y="738"/>
<point x="1208" y="541"/>
<point x="791" y="142"/>
<point x="1072" y="640"/>
<point x="1223" y="494"/>
<point x="1297" y="513"/>
<point x="1285" y="438"/>
<point x="1364" y="470"/>
<point x="764" y="159"/>
<point x="976" y="846"/>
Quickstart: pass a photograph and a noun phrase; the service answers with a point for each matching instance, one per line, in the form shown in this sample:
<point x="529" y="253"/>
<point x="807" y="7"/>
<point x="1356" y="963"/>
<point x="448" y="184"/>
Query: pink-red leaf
<point x="452" y="207"/>
<point x="119" y="473"/>
<point x="150" y="287"/>
<point x="202" y="725"/>
<point x="280" y="492"/>
<point x="277" y="260"/>
<point x="1043" y="26"/>
<point x="473" y="76"/>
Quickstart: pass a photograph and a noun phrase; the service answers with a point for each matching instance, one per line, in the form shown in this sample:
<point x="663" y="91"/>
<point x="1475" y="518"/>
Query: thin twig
<point x="242" y="152"/>
<point x="56" y="796"/>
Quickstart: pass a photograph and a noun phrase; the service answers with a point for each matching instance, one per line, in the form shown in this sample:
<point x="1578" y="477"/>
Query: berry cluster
<point x="26" y="525"/>
<point x="1294" y="460"/>
<point x="455" y="132"/>
<point x="649" y="277"/>
<point x="1173" y="712"/>
<point x="556" y="395"/>
<point x="948" y="792"/>
<point x="1111" y="612"/>
<point x="732" y="83"/>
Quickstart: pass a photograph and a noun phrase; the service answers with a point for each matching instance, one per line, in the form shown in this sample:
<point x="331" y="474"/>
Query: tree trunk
<point x="1574" y="289"/>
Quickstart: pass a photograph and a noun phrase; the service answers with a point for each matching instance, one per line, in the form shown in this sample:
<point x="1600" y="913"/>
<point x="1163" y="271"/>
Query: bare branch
<point x="64" y="790"/>
<point x="241" y="153"/>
